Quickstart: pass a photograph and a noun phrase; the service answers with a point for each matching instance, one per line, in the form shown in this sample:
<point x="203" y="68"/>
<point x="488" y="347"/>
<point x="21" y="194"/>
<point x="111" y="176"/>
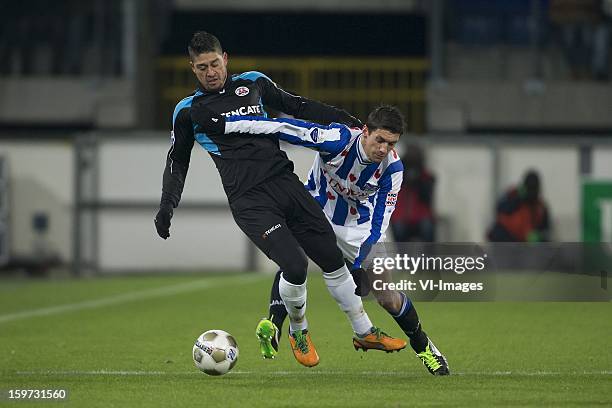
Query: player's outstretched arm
<point x="328" y="139"/>
<point x="175" y="171"/>
<point x="301" y="107"/>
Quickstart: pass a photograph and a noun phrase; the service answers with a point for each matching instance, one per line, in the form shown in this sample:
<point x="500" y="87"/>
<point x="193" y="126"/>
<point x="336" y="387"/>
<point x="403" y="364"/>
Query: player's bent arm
<point x="386" y="198"/>
<point x="330" y="139"/>
<point x="177" y="160"/>
<point x="300" y="107"/>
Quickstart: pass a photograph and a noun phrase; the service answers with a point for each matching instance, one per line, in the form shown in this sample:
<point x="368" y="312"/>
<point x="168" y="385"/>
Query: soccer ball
<point x="215" y="352"/>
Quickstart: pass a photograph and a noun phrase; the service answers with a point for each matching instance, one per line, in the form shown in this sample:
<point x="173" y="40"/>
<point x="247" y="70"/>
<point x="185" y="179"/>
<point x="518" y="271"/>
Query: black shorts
<point x="280" y="216"/>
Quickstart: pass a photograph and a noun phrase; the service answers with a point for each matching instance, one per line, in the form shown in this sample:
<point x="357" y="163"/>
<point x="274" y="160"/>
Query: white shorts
<point x="349" y="239"/>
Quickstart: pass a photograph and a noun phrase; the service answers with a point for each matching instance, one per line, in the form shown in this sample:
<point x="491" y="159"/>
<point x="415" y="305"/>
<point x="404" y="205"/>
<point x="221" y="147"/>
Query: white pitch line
<point x="95" y="372"/>
<point x="126" y="297"/>
<point x="314" y="372"/>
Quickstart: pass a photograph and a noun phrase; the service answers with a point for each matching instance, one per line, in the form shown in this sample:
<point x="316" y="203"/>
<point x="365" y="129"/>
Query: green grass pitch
<point x="126" y="341"/>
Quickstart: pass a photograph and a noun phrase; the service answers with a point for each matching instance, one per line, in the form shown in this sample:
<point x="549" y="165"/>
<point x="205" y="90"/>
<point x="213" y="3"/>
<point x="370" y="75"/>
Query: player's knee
<point x="327" y="257"/>
<point x="291" y="260"/>
<point x="389" y="300"/>
<point x="295" y="270"/>
<point x="332" y="262"/>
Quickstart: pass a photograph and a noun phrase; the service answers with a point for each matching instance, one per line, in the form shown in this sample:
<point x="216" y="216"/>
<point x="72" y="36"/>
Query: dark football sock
<point x="408" y="319"/>
<point x="277" y="311"/>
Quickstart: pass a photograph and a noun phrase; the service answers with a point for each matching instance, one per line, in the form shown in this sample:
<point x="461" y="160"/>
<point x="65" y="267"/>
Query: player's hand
<point x="211" y="122"/>
<point x="360" y="276"/>
<point x="162" y="220"/>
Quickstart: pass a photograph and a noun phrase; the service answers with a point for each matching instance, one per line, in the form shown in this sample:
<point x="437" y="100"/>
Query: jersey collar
<point x="361" y="154"/>
<point x="223" y="90"/>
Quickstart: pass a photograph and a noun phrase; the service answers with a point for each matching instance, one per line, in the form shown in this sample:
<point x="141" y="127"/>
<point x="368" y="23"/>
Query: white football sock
<point x="342" y="288"/>
<point x="294" y="297"/>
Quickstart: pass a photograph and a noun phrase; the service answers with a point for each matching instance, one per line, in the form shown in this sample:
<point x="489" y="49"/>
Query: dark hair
<point x="531" y="185"/>
<point x="202" y="42"/>
<point x="386" y="117"/>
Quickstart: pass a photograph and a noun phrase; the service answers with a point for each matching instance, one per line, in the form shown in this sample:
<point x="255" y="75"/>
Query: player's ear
<point x="366" y="131"/>
<point x="193" y="68"/>
<point x="224" y="58"/>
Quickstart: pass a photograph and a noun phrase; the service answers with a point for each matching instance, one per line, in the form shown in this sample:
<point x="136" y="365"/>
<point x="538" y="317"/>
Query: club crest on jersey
<point x="172" y="138"/>
<point x="242" y="91"/>
<point x="314" y="134"/>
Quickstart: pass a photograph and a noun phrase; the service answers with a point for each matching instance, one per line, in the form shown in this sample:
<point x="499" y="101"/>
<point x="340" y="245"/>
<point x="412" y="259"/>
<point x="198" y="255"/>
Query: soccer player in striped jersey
<point x="355" y="178"/>
<point x="266" y="198"/>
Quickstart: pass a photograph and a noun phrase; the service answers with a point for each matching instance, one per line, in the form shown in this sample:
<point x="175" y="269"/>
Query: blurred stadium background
<point x="490" y="88"/>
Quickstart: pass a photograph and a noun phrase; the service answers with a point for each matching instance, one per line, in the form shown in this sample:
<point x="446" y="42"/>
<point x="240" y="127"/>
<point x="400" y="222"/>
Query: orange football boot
<point x="303" y="349"/>
<point x="378" y="340"/>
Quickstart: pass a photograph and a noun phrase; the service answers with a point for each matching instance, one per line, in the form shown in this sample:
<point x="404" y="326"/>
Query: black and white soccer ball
<point x="215" y="352"/>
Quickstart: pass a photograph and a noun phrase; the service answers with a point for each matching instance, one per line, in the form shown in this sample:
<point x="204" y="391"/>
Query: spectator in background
<point x="585" y="36"/>
<point x="413" y="219"/>
<point x="522" y="215"/>
<point x="601" y="43"/>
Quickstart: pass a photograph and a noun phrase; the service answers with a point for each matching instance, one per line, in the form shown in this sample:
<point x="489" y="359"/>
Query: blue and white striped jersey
<point x="351" y="190"/>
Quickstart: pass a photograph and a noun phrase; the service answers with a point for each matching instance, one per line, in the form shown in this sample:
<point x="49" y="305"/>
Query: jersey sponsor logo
<point x="391" y="199"/>
<point x="244" y="111"/>
<point x="271" y="230"/>
<point x="242" y="91"/>
<point x="349" y="190"/>
<point x="314" y="134"/>
<point x="172" y="138"/>
<point x="338" y="187"/>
